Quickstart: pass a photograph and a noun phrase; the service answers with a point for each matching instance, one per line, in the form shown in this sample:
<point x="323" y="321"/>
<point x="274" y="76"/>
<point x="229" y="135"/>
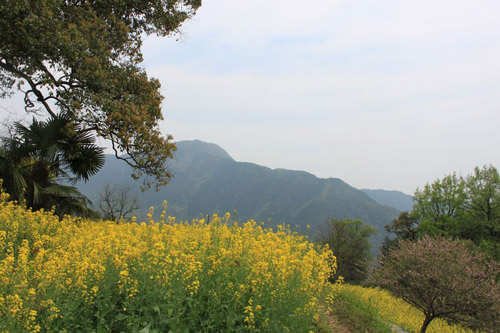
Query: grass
<point x="390" y="309"/>
<point x="352" y="314"/>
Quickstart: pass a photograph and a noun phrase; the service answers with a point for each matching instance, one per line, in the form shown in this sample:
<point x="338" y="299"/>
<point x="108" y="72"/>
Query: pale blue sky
<point x="382" y="94"/>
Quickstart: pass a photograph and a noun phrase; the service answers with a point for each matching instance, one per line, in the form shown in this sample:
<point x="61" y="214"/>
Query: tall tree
<point x="482" y="202"/>
<point x="349" y="241"/>
<point x="82" y="58"/>
<point x="438" y="204"/>
<point x="464" y="207"/>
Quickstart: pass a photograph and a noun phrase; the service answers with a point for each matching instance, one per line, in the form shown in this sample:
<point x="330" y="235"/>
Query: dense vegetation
<point x="78" y="275"/>
<point x="445" y="257"/>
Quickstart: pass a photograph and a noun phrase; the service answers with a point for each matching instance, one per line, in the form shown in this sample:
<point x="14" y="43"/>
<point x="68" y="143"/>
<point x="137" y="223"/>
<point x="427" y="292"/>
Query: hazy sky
<point x="383" y="94"/>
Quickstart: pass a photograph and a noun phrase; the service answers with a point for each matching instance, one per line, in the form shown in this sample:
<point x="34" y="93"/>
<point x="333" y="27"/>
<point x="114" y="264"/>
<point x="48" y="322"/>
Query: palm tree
<point x="41" y="164"/>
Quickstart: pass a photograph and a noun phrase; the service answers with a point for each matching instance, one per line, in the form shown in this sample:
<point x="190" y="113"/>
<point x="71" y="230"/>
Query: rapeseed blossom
<point x="74" y="274"/>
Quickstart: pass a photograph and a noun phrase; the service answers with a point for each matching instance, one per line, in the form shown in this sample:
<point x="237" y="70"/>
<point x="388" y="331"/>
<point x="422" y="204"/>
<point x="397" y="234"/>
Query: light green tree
<point x="439" y="204"/>
<point x="482" y="201"/>
<point x="462" y="207"/>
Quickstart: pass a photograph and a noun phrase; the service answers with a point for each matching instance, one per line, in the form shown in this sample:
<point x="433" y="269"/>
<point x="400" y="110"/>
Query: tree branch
<point x="10" y="68"/>
<point x="126" y="160"/>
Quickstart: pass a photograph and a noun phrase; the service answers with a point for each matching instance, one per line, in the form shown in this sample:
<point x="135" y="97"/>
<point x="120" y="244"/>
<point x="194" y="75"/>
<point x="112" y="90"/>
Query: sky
<point x="384" y="94"/>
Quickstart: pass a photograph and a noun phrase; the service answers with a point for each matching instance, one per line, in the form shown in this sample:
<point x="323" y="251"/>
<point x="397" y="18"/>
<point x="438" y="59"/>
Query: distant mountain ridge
<point x="206" y="180"/>
<point x="395" y="199"/>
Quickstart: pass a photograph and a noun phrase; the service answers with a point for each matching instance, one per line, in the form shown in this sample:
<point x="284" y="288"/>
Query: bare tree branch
<point x="118" y="202"/>
<point x="10" y="68"/>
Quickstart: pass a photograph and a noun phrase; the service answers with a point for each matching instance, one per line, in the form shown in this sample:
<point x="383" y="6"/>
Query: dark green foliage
<point x="349" y="241"/>
<point x="37" y="159"/>
<point x="404" y="227"/>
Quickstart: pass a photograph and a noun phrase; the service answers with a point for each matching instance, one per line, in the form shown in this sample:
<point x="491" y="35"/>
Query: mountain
<point x="207" y="180"/>
<point x="395" y="199"/>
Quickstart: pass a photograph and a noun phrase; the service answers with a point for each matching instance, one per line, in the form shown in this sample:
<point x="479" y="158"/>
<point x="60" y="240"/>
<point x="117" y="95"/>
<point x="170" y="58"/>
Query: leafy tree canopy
<point x="404" y="227"/>
<point x="438" y="204"/>
<point x="82" y="58"/>
<point x="457" y="207"/>
<point x="349" y="241"/>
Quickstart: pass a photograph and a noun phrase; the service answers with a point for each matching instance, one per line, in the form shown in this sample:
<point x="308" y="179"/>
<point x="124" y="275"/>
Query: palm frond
<point x="62" y="191"/>
<point x="41" y="155"/>
<point x="37" y="194"/>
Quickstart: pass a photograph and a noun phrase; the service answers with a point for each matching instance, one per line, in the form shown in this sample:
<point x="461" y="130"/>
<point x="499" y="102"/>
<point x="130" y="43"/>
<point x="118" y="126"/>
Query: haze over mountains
<point x="208" y="180"/>
<point x="394" y="199"/>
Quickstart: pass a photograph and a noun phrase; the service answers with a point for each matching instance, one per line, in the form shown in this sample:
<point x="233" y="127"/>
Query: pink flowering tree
<point x="446" y="279"/>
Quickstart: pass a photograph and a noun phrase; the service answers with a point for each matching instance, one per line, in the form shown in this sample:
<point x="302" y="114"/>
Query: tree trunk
<point x="426" y="323"/>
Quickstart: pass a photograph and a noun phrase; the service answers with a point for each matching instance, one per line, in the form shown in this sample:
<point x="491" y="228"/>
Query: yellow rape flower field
<point x="156" y="276"/>
<point x="396" y="311"/>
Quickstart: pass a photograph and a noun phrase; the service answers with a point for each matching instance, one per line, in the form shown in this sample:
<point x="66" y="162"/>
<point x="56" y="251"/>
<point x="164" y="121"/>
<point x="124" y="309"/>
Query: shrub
<point x="444" y="279"/>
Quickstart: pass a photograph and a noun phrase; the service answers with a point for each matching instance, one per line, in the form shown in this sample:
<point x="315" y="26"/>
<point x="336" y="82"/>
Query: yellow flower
<point x="76" y="257"/>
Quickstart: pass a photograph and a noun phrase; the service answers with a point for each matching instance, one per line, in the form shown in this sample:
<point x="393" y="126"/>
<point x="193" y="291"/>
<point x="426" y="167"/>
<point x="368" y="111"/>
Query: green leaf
<point x="146" y="329"/>
<point x="121" y="316"/>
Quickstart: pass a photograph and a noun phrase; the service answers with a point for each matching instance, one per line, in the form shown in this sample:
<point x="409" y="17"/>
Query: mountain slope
<point x="394" y="199"/>
<point x="207" y="180"/>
